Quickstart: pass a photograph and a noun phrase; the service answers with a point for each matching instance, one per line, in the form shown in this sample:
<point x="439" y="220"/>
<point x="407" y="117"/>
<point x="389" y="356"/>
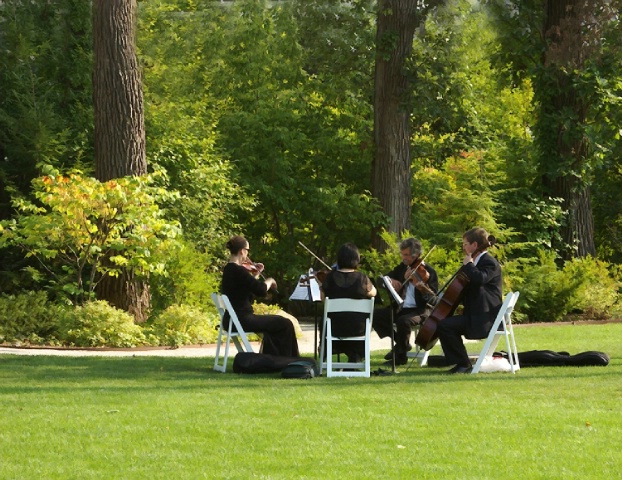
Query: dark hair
<point x="348" y="256"/>
<point x="479" y="235"/>
<point x="413" y="245"/>
<point x="236" y="244"/>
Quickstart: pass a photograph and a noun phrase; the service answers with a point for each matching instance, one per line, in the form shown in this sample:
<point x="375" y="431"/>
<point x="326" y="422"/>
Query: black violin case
<point x="543" y="358"/>
<point x="549" y="358"/>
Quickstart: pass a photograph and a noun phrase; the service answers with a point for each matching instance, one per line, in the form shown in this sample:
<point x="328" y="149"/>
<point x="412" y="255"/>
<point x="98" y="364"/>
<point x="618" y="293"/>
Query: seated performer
<point x="347" y="282"/>
<point x="240" y="285"/>
<point x="481" y="298"/>
<point x="416" y="296"/>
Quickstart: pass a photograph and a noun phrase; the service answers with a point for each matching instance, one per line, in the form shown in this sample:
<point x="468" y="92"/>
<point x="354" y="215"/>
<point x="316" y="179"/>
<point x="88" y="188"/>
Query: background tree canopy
<point x="261" y="117"/>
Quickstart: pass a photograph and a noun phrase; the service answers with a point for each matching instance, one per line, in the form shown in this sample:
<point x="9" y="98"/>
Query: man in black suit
<point x="482" y="299"/>
<point x="417" y="295"/>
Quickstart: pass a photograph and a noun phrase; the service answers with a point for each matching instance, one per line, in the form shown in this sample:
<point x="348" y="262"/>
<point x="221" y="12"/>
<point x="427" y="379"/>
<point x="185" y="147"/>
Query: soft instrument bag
<point x="249" y="362"/>
<point x="549" y="358"/>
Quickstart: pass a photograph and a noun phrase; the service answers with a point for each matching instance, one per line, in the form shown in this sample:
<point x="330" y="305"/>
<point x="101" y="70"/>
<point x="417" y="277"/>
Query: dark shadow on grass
<point x="23" y="374"/>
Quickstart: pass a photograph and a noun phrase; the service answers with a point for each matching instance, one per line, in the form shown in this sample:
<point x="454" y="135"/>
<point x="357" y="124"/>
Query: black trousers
<point x="450" y="332"/>
<point x="405" y="320"/>
<point x="279" y="334"/>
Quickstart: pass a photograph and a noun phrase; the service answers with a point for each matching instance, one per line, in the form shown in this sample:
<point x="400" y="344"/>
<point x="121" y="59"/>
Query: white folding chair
<point x="335" y="369"/>
<point x="418" y="353"/>
<point x="235" y="333"/>
<point x="501" y="327"/>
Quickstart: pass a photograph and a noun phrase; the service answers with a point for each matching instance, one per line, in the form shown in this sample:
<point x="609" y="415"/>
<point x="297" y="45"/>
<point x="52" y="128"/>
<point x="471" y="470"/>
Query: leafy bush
<point x="82" y="230"/>
<point x="546" y="291"/>
<point x="597" y="294"/>
<point x="584" y="286"/>
<point x="191" y="277"/>
<point x="98" y="324"/>
<point x="184" y="325"/>
<point x="27" y="317"/>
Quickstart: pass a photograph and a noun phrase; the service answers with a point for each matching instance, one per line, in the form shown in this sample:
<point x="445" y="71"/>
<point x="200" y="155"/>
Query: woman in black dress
<point x="241" y="286"/>
<point x="347" y="282"/>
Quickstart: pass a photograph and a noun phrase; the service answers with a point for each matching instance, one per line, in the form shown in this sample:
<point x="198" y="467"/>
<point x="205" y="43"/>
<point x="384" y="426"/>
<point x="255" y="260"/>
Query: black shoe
<point x="460" y="369"/>
<point x="355" y="358"/>
<point x="389" y="356"/>
<point x="399" y="360"/>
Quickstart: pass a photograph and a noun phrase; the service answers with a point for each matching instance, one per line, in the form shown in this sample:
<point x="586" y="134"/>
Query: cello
<point x="446" y="303"/>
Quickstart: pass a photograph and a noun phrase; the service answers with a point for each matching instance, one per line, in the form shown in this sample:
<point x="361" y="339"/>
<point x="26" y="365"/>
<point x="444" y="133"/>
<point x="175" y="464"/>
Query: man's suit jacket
<point x="482" y="297"/>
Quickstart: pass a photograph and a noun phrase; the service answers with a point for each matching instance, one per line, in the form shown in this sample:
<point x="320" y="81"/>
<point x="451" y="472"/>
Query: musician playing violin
<point x="481" y="299"/>
<point x="408" y="279"/>
<point x="240" y="284"/>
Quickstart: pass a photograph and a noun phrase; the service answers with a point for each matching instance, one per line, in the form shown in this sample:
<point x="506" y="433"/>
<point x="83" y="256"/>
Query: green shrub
<point x="584" y="286"/>
<point x="98" y="324"/>
<point x="81" y="229"/>
<point x="183" y="325"/>
<point x="190" y="279"/>
<point x="546" y="291"/>
<point x="597" y="294"/>
<point x="27" y="317"/>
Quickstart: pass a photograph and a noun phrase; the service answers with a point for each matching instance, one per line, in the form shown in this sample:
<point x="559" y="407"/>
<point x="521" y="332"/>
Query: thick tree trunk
<point x="391" y="176"/>
<point x="119" y="125"/>
<point x="117" y="92"/>
<point x="564" y="146"/>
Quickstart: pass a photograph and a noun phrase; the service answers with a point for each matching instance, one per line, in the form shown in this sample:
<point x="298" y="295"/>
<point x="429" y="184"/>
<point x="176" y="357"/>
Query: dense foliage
<point x="82" y="230"/>
<point x="259" y="122"/>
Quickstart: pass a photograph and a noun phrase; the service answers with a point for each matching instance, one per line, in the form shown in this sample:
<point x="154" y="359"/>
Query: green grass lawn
<point x="156" y="417"/>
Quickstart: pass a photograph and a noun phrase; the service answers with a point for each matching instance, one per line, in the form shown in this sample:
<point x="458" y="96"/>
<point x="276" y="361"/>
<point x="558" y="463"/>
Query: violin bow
<point x="316" y="257"/>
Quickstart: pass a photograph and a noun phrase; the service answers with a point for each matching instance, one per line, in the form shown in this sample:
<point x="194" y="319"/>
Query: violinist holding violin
<point x="240" y="284"/>
<point x="481" y="299"/>
<point x="417" y="282"/>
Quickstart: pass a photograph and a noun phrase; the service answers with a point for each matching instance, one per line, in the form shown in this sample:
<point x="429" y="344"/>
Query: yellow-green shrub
<point x="98" y="324"/>
<point x="184" y="325"/>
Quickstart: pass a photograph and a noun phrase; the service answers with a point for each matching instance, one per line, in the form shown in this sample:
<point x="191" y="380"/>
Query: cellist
<point x="481" y="299"/>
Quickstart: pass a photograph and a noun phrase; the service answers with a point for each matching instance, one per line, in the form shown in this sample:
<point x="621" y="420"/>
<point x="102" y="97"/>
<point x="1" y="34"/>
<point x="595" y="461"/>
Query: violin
<point x="419" y="275"/>
<point x="256" y="269"/>
<point x="319" y="275"/>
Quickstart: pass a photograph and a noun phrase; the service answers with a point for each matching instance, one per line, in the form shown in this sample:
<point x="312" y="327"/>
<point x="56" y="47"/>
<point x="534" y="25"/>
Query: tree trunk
<point x="564" y="152"/>
<point x="564" y="147"/>
<point x="117" y="92"/>
<point x="119" y="125"/>
<point x="391" y="165"/>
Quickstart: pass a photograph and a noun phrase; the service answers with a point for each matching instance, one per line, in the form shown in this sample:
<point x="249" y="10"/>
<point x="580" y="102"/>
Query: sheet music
<point x="389" y="286"/>
<point x="308" y="288"/>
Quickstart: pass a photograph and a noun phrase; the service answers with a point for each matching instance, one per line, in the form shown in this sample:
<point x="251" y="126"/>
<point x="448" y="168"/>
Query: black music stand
<point x="308" y="289"/>
<point x="396" y="305"/>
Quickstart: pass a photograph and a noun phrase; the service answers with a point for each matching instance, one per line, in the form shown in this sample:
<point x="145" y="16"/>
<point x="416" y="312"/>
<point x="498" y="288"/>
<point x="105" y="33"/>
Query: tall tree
<point x="117" y="92"/>
<point x="119" y="125"/>
<point x="570" y="95"/>
<point x="391" y="176"/>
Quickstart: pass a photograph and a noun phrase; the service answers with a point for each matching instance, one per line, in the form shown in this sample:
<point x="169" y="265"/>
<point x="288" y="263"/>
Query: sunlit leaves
<point x="81" y="221"/>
